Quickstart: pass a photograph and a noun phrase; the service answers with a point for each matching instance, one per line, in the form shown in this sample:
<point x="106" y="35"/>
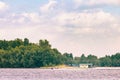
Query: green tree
<point x="83" y="59"/>
<point x="26" y="41"/>
<point x="116" y="60"/>
<point x="44" y="44"/>
<point x="93" y="59"/>
<point x="68" y="58"/>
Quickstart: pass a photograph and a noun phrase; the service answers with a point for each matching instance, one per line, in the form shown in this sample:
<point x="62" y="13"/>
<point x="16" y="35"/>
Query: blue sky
<point x="25" y="5"/>
<point x="74" y="26"/>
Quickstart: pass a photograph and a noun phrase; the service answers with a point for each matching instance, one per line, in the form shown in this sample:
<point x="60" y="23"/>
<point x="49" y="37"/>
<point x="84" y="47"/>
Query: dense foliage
<point x="107" y="61"/>
<point x="20" y="53"/>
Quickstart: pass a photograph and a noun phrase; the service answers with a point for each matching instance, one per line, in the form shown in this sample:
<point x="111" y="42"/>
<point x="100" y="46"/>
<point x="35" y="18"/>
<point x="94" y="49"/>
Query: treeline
<point x="20" y="53"/>
<point x="107" y="61"/>
<point x="23" y="54"/>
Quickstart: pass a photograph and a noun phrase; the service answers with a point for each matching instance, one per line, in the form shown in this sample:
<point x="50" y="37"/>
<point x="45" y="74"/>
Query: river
<point x="60" y="74"/>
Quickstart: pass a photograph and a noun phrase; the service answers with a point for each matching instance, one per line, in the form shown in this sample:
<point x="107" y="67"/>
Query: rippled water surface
<point x="60" y="74"/>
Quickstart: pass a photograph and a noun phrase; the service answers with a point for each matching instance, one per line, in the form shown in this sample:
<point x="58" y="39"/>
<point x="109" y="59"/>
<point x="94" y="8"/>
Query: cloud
<point x="68" y="30"/>
<point x="87" y="22"/>
<point x="50" y="6"/>
<point x="24" y="18"/>
<point x="97" y="2"/>
<point x="3" y="6"/>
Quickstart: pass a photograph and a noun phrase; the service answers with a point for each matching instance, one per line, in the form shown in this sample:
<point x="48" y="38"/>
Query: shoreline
<point x="99" y="68"/>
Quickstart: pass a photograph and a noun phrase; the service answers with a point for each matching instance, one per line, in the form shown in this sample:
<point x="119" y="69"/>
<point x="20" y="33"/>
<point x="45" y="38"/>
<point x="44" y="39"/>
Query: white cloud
<point x="97" y="2"/>
<point x="33" y="17"/>
<point x="3" y="6"/>
<point x="21" y="18"/>
<point x="87" y="22"/>
<point x="49" y="6"/>
<point x="69" y="31"/>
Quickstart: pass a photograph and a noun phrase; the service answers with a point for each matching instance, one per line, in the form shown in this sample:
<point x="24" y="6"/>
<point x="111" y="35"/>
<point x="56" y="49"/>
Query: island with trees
<point x="20" y="53"/>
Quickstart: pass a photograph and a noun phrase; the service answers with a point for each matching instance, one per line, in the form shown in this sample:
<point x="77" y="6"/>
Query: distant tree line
<point x="20" y="53"/>
<point x="107" y="61"/>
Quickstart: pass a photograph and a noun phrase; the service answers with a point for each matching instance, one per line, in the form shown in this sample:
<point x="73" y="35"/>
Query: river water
<point x="60" y="74"/>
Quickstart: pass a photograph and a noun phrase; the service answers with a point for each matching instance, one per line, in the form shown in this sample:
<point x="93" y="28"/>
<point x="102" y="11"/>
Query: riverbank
<point x="58" y="67"/>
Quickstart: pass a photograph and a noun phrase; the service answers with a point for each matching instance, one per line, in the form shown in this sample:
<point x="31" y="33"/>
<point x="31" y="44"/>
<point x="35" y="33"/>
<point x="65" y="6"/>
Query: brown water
<point x="60" y="74"/>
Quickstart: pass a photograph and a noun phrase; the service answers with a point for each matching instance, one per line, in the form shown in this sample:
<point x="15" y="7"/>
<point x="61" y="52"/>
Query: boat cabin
<point x="86" y="65"/>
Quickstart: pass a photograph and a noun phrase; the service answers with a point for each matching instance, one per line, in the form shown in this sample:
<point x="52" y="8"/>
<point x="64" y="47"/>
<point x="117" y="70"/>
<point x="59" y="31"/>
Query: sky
<point x="73" y="26"/>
